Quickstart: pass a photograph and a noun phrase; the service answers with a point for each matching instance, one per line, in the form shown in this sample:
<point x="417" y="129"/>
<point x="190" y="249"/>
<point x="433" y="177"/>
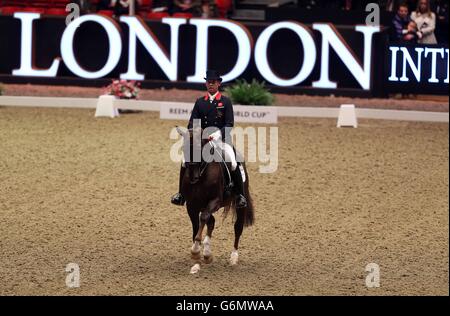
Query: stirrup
<point x="241" y="201"/>
<point x="178" y="199"/>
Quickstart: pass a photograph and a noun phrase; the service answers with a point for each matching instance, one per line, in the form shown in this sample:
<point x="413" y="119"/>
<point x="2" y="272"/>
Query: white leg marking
<point x="207" y="247"/>
<point x="195" y="247"/>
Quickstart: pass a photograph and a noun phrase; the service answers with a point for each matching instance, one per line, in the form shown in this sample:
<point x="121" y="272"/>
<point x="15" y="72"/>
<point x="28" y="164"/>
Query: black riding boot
<point x="178" y="199"/>
<point x="241" y="201"/>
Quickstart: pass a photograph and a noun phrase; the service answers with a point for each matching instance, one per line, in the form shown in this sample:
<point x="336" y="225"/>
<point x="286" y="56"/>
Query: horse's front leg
<point x="213" y="206"/>
<point x="206" y="218"/>
<point x="195" y="249"/>
<point x="207" y="253"/>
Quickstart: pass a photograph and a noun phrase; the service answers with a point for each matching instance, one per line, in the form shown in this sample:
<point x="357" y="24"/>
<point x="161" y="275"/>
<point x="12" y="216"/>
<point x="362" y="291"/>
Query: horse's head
<point x="192" y="151"/>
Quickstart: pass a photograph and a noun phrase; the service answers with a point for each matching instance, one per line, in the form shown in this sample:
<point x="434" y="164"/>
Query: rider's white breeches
<point x="225" y="149"/>
<point x="229" y="153"/>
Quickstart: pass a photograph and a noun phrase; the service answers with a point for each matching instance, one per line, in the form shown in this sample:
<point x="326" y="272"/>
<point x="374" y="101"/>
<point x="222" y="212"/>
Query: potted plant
<point x="249" y="93"/>
<point x="124" y="89"/>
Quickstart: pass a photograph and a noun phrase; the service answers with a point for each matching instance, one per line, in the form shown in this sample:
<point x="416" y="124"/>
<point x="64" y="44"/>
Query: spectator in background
<point x="188" y="6"/>
<point x="412" y="34"/>
<point x="441" y="8"/>
<point x="84" y="5"/>
<point x="393" y="5"/>
<point x="400" y="23"/>
<point x="426" y="22"/>
<point x="348" y="5"/>
<point x="209" y="9"/>
<point x="388" y="5"/>
<point x="122" y="7"/>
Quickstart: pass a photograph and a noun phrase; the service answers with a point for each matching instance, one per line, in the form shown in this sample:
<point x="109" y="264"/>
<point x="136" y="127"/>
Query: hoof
<point x="195" y="251"/>
<point x="195" y="255"/>
<point x="208" y="259"/>
<point x="195" y="269"/>
<point x="234" y="258"/>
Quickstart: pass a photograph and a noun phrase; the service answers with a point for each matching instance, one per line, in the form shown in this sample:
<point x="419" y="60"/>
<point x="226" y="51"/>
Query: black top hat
<point x="212" y="75"/>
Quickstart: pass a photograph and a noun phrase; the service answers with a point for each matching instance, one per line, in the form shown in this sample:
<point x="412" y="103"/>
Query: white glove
<point x="217" y="135"/>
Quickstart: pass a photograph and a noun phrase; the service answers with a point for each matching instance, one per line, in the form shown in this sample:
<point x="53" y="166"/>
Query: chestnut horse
<point x="204" y="189"/>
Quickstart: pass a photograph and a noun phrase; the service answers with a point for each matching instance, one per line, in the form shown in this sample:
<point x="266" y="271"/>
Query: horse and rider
<point x="216" y="110"/>
<point x="207" y="186"/>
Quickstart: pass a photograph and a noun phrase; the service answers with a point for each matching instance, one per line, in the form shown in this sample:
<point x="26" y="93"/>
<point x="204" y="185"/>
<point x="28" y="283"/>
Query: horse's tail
<point x="248" y="211"/>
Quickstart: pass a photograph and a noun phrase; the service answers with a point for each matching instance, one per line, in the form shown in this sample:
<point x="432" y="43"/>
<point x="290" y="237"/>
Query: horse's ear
<point x="180" y="131"/>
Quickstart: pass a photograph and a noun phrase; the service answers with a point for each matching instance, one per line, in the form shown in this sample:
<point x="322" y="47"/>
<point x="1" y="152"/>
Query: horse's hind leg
<point x="238" y="228"/>
<point x="207" y="253"/>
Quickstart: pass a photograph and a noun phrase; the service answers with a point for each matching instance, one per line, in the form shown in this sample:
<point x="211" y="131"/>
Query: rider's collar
<point x="216" y="96"/>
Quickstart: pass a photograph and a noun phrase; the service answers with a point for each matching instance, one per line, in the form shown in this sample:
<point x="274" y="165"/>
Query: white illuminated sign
<point x="415" y="62"/>
<point x="115" y="46"/>
<point x="139" y="31"/>
<point x="434" y="52"/>
<point x="448" y="64"/>
<point x="244" y="41"/>
<point x="394" y="52"/>
<point x="309" y="53"/>
<point x="332" y="38"/>
<point x="27" y="68"/>
<point x="407" y="60"/>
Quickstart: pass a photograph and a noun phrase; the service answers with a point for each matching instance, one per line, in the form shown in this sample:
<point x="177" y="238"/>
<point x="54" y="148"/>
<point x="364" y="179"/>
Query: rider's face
<point x="212" y="86"/>
<point x="403" y="12"/>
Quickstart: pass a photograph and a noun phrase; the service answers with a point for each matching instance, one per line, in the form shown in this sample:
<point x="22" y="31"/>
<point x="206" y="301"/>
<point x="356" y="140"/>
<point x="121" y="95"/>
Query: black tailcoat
<point x="218" y="113"/>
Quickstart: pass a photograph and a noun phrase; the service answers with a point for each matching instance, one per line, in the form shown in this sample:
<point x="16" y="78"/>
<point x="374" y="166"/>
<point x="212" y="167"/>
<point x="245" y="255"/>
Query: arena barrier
<point x="282" y="111"/>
